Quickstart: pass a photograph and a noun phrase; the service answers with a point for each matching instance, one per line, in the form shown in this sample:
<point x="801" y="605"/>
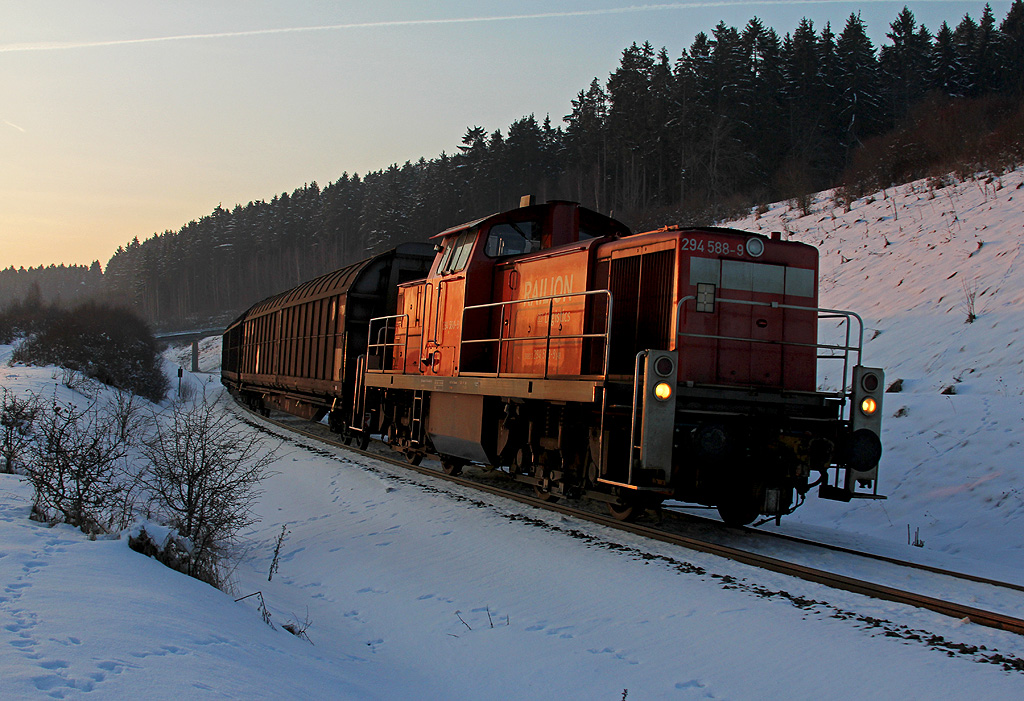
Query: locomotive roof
<point x="619" y="228"/>
<point x="710" y="229"/>
<point x="463" y="227"/>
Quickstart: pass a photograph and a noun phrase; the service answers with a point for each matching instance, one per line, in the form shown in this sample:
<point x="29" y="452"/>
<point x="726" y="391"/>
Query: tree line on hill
<point x="55" y="284"/>
<point x="741" y="116"/>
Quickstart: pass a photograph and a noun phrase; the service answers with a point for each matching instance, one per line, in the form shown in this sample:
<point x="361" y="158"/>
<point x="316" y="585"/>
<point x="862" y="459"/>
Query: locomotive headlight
<point x="869" y="406"/>
<point x="663" y="391"/>
<point x="755" y="246"/>
<point x="869" y="381"/>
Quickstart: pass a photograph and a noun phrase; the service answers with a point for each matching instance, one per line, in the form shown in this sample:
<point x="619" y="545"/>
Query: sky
<point x="128" y="118"/>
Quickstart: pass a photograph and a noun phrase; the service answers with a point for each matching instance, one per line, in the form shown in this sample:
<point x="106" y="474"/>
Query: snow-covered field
<point x="415" y="591"/>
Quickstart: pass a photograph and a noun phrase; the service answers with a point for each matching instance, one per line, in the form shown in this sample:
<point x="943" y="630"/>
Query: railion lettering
<point x="548" y="287"/>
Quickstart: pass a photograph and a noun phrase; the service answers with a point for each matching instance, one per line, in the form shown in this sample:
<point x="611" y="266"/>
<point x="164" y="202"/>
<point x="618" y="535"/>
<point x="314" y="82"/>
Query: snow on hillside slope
<point x="908" y="260"/>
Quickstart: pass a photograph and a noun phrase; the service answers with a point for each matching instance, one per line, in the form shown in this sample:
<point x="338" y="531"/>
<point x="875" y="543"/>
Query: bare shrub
<point x="77" y="463"/>
<point x="17" y="420"/>
<point x="970" y="295"/>
<point x="804" y="203"/>
<point x="275" y="562"/>
<point x="298" y="628"/>
<point x="203" y="477"/>
<point x="109" y="344"/>
<point x="942" y="135"/>
<point x="844" y="197"/>
<point x="75" y="381"/>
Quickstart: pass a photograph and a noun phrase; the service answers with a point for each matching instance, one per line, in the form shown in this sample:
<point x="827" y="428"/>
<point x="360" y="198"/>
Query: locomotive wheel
<point x="452" y="466"/>
<point x="413" y="457"/>
<point x="739" y="509"/>
<point x="361" y="439"/>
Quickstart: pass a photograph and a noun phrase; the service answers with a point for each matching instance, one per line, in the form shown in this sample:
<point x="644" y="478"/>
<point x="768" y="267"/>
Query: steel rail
<point x="931" y="569"/>
<point x="835" y="581"/>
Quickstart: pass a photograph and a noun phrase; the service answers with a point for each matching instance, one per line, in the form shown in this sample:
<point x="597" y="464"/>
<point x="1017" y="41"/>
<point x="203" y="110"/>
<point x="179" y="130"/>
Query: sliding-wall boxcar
<point x="297" y="351"/>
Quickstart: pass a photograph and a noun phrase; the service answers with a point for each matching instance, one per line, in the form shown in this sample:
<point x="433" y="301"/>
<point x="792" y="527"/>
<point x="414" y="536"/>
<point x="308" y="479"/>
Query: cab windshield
<point x="513" y="238"/>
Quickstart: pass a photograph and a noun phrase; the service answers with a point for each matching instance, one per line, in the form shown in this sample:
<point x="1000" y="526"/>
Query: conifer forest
<point x="742" y="116"/>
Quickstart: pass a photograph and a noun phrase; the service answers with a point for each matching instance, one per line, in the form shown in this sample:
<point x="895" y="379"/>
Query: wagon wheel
<point x="452" y="466"/>
<point x="336" y="423"/>
<point x="625" y="510"/>
<point x="544" y="494"/>
<point x="340" y="426"/>
<point x="413" y="455"/>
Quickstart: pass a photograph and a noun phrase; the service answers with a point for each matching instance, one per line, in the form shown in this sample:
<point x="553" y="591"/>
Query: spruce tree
<point x="860" y="103"/>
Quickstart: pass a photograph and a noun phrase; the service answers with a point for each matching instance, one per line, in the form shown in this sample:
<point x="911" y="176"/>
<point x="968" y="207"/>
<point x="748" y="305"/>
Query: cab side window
<point x="512" y="239"/>
<point x="456" y="254"/>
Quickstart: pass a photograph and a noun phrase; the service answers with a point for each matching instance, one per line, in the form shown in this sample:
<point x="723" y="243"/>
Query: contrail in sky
<point x="57" y="46"/>
<point x="14" y="126"/>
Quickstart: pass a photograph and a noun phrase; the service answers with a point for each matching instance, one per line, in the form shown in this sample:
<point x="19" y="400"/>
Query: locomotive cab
<point x="496" y="286"/>
<point x="503" y="323"/>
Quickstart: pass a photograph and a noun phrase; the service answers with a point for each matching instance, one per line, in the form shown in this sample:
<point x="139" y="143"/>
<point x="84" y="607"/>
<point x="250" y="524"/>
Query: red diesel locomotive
<point x="550" y="342"/>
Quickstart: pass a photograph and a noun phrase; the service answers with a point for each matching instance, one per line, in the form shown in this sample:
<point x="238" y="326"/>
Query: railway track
<point x="832" y="547"/>
<point x="833" y="580"/>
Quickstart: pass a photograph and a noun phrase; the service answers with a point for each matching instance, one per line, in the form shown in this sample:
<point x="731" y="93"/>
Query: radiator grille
<point x="641" y="287"/>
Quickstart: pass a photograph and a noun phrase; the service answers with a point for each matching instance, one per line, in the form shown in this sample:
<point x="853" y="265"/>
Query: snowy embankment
<point x="913" y="262"/>
<point x="418" y="592"/>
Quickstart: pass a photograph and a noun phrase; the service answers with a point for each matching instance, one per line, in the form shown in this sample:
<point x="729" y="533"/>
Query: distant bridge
<point x="193" y="337"/>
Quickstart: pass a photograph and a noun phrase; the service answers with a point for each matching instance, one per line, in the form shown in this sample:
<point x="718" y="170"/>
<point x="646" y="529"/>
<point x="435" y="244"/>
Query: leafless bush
<point x="298" y="628"/>
<point x="17" y="420"/>
<point x="75" y="381"/>
<point x="804" y="203"/>
<point x="970" y="294"/>
<point x="108" y="344"/>
<point x="77" y="463"/>
<point x="203" y="477"/>
<point x="844" y="197"/>
<point x="275" y="562"/>
<point x="186" y="392"/>
<point x="262" y="608"/>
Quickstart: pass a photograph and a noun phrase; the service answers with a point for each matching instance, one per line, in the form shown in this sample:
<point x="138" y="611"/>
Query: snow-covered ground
<point x="907" y="260"/>
<point x="418" y="591"/>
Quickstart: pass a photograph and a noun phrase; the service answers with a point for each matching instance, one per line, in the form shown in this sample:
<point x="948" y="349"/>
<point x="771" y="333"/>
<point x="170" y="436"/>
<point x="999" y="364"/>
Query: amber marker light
<point x="869" y="406"/>
<point x="663" y="390"/>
